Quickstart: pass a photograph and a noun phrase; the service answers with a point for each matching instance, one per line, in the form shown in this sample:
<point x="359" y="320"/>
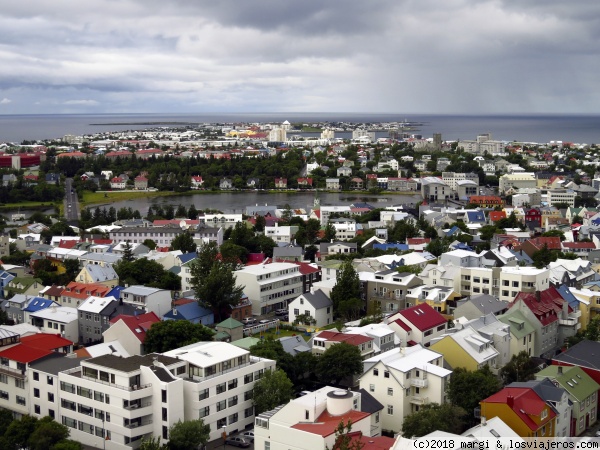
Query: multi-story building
<point x="556" y="196"/>
<point x="147" y="299"/>
<point x="281" y="233"/>
<point x="386" y="290"/>
<point x="451" y="178"/>
<point x="62" y="320"/>
<point x="345" y="228"/>
<point x="468" y="349"/>
<point x="419" y="324"/>
<point x="435" y="189"/>
<point x="515" y="181"/>
<point x="270" y="286"/>
<point x="94" y="318"/>
<point x="220" y="220"/>
<point x="162" y="236"/>
<point x="403" y="380"/>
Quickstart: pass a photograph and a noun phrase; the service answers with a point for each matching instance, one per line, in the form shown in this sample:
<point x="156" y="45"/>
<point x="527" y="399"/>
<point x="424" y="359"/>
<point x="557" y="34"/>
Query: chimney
<point x="483" y="421"/>
<point x="559" y="370"/>
<point x="538" y="296"/>
<point x="510" y="401"/>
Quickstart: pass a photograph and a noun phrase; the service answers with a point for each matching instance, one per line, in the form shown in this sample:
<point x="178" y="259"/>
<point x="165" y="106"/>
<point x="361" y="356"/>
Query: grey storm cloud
<point x="455" y="56"/>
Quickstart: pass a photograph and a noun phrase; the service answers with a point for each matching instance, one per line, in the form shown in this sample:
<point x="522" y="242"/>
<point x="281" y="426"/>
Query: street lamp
<point x="224" y="434"/>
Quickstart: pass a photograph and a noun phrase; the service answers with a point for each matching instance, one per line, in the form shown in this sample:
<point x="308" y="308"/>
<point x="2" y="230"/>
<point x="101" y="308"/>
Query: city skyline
<point x="458" y="56"/>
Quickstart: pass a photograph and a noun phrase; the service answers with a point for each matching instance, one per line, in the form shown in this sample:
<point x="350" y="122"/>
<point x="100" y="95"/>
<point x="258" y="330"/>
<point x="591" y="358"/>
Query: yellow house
<point x="523" y="410"/>
<point x="467" y="349"/>
<point x="436" y="297"/>
<point x="92" y="273"/>
<point x="589" y="305"/>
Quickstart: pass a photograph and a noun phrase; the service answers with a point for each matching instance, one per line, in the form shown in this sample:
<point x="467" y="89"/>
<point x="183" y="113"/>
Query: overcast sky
<point x="394" y="56"/>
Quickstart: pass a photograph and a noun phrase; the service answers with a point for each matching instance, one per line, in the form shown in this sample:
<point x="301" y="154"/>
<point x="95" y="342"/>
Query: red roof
<point x="84" y="290"/>
<point x="418" y="241"/>
<point x="326" y="423"/>
<point x="546" y="308"/>
<point x="68" y="243"/>
<point x="24" y="353"/>
<point x="497" y="215"/>
<point x="552" y="242"/>
<point x="402" y="325"/>
<point x="578" y="245"/>
<point x="352" y="339"/>
<point x="525" y="403"/>
<point x="138" y="324"/>
<point x="46" y="341"/>
<point x="369" y="443"/>
<point x="423" y="316"/>
<point x="35" y="347"/>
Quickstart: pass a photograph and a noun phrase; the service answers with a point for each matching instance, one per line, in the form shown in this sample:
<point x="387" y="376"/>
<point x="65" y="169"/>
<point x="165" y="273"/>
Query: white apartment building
<point x="345" y="229"/>
<point x="403" y="380"/>
<point x="281" y="233"/>
<point x="148" y="299"/>
<point x="270" y="286"/>
<point x="556" y="196"/>
<point x="517" y="181"/>
<point x="220" y="220"/>
<point x="327" y="210"/>
<point x="116" y="402"/>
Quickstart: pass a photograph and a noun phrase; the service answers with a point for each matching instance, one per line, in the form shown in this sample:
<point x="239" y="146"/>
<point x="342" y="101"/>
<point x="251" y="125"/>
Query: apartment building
<point x="451" y="179"/>
<point x="281" y="233"/>
<point x="386" y="290"/>
<point x="270" y="286"/>
<point x="345" y="228"/>
<point x="403" y="380"/>
<point x="435" y="189"/>
<point x="117" y="402"/>
<point x="515" y="181"/>
<point x="556" y="196"/>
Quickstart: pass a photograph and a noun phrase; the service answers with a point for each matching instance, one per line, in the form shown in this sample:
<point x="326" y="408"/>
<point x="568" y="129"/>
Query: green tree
<point x="338" y="362"/>
<point x="346" y="290"/>
<point x="217" y="289"/>
<point x="67" y="444"/>
<point x="519" y="368"/>
<point x="466" y="389"/>
<point x="47" y="432"/>
<point x="152" y="443"/>
<point x="329" y="235"/>
<point x="18" y="432"/>
<point x="170" y="334"/>
<point x="434" y="417"/>
<point x="127" y="252"/>
<point x="149" y="243"/>
<point x="188" y="435"/>
<point x="272" y="390"/>
<point x="343" y="439"/>
<point x="184" y="242"/>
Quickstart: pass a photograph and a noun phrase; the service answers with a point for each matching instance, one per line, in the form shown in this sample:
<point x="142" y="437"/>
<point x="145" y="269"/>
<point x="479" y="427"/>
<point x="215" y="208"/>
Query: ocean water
<point x="529" y="128"/>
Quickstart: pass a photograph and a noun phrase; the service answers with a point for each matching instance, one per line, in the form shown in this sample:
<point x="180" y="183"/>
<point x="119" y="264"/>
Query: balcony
<point x="419" y="400"/>
<point x="568" y="322"/>
<point x="419" y="382"/>
<point x="15" y="373"/>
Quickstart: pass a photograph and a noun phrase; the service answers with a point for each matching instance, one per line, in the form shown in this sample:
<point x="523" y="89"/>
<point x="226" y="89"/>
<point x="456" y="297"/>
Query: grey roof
<point x="140" y="290"/>
<point x="544" y="388"/>
<point x="295" y="252"/>
<point x="584" y="354"/>
<point x="368" y="403"/>
<point x="109" y="258"/>
<point x="318" y="299"/>
<point x="162" y="374"/>
<point x="132" y="363"/>
<point x="487" y="304"/>
<point x="294" y="345"/>
<point x="101" y="273"/>
<point x="54" y="363"/>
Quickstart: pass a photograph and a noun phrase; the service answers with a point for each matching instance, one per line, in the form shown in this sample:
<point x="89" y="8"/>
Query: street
<point x="71" y="202"/>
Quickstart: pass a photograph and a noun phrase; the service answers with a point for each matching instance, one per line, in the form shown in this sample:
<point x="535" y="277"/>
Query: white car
<point x="248" y="435"/>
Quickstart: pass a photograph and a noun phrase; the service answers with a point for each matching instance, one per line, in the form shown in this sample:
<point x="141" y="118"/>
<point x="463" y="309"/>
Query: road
<point x="71" y="202"/>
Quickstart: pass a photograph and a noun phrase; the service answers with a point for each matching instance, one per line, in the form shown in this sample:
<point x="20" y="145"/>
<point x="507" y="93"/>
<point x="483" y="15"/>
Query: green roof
<point x="221" y="336"/>
<point x="519" y="325"/>
<point x="246" y="342"/>
<point x="331" y="264"/>
<point x="573" y="379"/>
<point x="230" y="323"/>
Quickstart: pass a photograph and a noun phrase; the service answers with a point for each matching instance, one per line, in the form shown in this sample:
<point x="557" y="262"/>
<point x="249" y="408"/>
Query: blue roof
<point x="476" y="216"/>
<point x="568" y="296"/>
<point x="462" y="246"/>
<point x="115" y="292"/>
<point x="188" y="311"/>
<point x="386" y="247"/>
<point x="4" y="275"/>
<point x="38" y="303"/>
<point x="453" y="230"/>
<point x="522" y="256"/>
<point x="187" y="257"/>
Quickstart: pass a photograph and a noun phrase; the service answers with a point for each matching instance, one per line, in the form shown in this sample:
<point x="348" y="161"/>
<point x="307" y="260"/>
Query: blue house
<point x="5" y="278"/>
<point x="475" y="217"/>
<point x="192" y="312"/>
<point x="38" y="303"/>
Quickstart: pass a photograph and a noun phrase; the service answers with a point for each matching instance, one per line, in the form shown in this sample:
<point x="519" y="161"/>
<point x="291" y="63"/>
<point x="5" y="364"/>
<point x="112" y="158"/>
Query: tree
<point x="217" y="289"/>
<point x="434" y="417"/>
<point x="18" y="432"/>
<point x="188" y="435"/>
<point x="329" y="235"/>
<point x="272" y="390"/>
<point x="184" y="242"/>
<point x="149" y="243"/>
<point x="152" y="443"/>
<point x="47" y="432"/>
<point x="466" y="389"/>
<point x="68" y="444"/>
<point x="343" y="439"/>
<point x="127" y="252"/>
<point x="338" y="362"/>
<point x="346" y="290"/>
<point x="519" y="368"/>
<point x="171" y="334"/>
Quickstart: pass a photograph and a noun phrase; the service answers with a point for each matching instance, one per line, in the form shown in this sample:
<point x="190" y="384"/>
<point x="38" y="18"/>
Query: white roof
<point x="518" y="270"/>
<point x="64" y="314"/>
<point x="95" y="304"/>
<point x="260" y="269"/>
<point x="205" y="354"/>
<point x="408" y="358"/>
<point x="470" y="341"/>
<point x="492" y="428"/>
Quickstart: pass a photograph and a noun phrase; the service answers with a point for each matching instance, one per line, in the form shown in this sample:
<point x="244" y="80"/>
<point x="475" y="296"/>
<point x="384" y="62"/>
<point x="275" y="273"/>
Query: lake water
<point x="236" y="202"/>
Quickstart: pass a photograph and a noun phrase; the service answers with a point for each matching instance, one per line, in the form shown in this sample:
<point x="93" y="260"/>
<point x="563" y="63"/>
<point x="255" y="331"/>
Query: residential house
<point x="386" y="290"/>
<point x="61" y="320"/>
<point x="468" y="349"/>
<point x="94" y="317"/>
<point x="404" y="380"/>
<point x="332" y="184"/>
<point x="323" y="340"/>
<point x="147" y="299"/>
<point x="192" y="312"/>
<point x="582" y="392"/>
<point x="479" y="305"/>
<point x="315" y="306"/>
<point x="280" y="183"/>
<point x="418" y="324"/>
<point x="284" y="233"/>
<point x="522" y="332"/>
<point x="523" y="410"/>
<point x="117" y="183"/>
<point x="583" y="354"/>
<point x="96" y="274"/>
<point x="130" y="331"/>
<point x="76" y="293"/>
<point x="23" y="285"/>
<point x="225" y="184"/>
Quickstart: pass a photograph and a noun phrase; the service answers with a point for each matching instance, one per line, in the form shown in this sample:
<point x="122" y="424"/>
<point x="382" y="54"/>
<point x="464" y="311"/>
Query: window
<point x="50" y="380"/>
<point x="20" y="400"/>
<point x="203" y="394"/>
<point x="164" y="395"/>
<point x="3" y="378"/>
<point x="247" y="395"/>
<point x="371" y="388"/>
<point x="221" y="388"/>
<point x="248" y="378"/>
<point x="386" y="374"/>
<point x="222" y="422"/>
<point x="232" y="384"/>
<point x="98" y="396"/>
<point x="36" y="376"/>
<point x="232" y="401"/>
<point x="221" y="405"/>
<point x="204" y="412"/>
<point x="20" y="383"/>
<point x="376" y="372"/>
<point x="390" y="410"/>
<point x="233" y="418"/>
<point x="36" y="393"/>
<point x="390" y="391"/>
<point x="51" y="397"/>
<point x="36" y="409"/>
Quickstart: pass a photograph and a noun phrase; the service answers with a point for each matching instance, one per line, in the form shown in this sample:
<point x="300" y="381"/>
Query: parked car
<point x="248" y="435"/>
<point x="237" y="441"/>
<point x="249" y="321"/>
<point x="281" y="312"/>
<point x="263" y="321"/>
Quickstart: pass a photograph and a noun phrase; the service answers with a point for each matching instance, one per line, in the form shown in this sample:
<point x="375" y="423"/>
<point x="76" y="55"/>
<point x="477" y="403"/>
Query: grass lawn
<point x="27" y="205"/>
<point x="92" y="198"/>
<point x="282" y="333"/>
